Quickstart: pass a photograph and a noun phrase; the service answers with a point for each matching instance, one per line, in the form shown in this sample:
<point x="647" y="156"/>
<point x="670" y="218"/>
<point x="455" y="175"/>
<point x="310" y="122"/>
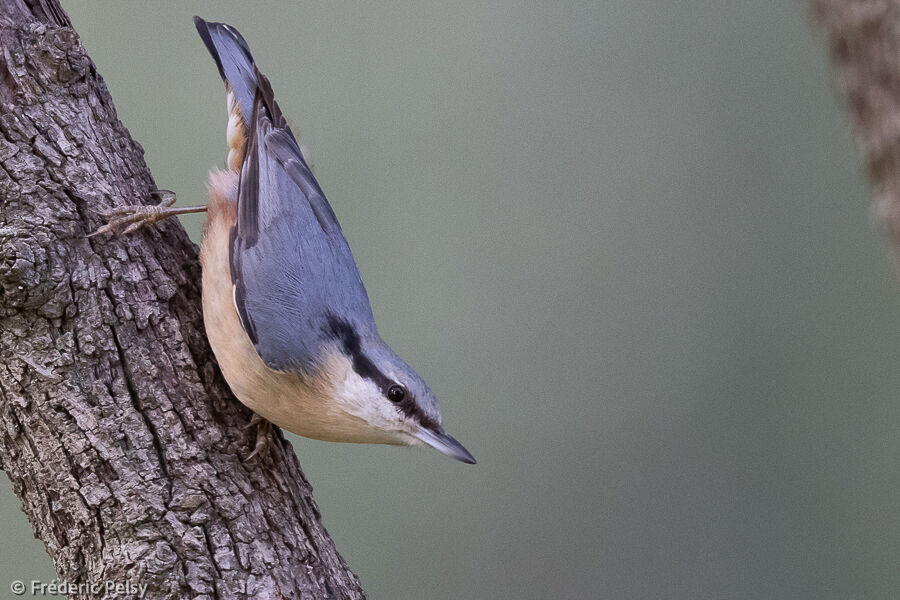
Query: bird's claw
<point x="129" y="219"/>
<point x="264" y="438"/>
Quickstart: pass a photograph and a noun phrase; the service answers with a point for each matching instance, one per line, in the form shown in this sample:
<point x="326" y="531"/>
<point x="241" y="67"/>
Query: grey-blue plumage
<point x="233" y="58"/>
<point x="320" y="368"/>
<point x="292" y="268"/>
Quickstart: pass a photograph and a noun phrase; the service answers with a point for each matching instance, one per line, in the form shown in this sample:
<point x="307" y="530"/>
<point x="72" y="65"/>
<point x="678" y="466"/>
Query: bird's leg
<point x="132" y="218"/>
<point x="263" y="437"/>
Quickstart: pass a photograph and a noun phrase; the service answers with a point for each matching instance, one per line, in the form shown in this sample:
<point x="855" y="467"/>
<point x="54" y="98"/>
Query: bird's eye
<point x="396" y="393"/>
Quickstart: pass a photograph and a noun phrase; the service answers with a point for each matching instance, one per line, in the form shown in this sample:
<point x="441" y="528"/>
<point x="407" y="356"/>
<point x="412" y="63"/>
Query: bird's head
<point x="371" y="383"/>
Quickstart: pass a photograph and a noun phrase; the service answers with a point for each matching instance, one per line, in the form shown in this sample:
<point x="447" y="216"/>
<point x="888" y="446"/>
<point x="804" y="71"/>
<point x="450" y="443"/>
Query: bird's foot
<point x="127" y="219"/>
<point x="264" y="438"/>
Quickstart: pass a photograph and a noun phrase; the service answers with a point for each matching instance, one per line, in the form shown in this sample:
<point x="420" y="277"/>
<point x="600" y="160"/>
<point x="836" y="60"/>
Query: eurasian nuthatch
<point x="284" y="306"/>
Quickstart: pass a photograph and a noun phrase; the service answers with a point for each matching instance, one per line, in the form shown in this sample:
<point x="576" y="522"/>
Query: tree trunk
<point x="117" y="430"/>
<point x="864" y="47"/>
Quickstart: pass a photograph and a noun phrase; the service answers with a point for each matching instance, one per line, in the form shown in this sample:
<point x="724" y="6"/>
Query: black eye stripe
<point x="343" y="331"/>
<point x="349" y="339"/>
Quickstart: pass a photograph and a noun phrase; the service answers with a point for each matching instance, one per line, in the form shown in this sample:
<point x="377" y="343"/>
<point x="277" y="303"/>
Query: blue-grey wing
<point x="291" y="265"/>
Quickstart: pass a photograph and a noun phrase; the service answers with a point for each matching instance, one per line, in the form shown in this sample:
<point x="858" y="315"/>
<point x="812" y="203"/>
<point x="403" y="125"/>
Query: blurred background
<point x="628" y="245"/>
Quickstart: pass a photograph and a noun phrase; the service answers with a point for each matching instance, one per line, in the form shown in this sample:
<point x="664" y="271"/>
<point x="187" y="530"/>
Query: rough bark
<point x="863" y="38"/>
<point x="119" y="434"/>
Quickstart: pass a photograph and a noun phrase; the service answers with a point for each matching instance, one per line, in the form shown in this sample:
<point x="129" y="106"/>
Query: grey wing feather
<point x="291" y="265"/>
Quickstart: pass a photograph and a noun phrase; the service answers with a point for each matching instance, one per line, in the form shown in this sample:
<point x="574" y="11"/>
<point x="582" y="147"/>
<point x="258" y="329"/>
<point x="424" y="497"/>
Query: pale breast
<point x="304" y="406"/>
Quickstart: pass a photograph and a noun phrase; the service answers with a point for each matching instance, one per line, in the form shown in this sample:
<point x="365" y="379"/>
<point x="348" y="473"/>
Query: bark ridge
<point x="117" y="430"/>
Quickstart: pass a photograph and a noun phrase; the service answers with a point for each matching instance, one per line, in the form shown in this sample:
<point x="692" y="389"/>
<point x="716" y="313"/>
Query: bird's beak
<point x="445" y="443"/>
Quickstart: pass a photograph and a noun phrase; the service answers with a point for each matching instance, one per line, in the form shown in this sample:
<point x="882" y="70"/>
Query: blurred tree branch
<point x="117" y="430"/>
<point x="863" y="39"/>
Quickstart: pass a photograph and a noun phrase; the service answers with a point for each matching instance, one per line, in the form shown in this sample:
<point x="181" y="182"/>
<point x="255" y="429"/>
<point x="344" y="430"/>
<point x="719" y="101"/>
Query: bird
<point x="284" y="306"/>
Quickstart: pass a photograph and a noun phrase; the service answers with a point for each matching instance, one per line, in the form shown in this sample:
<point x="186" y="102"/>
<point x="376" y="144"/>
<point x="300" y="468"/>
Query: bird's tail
<point x="236" y="66"/>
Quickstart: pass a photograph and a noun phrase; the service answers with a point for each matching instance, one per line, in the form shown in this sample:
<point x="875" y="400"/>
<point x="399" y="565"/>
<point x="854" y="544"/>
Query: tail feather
<point x="236" y="66"/>
<point x="232" y="56"/>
